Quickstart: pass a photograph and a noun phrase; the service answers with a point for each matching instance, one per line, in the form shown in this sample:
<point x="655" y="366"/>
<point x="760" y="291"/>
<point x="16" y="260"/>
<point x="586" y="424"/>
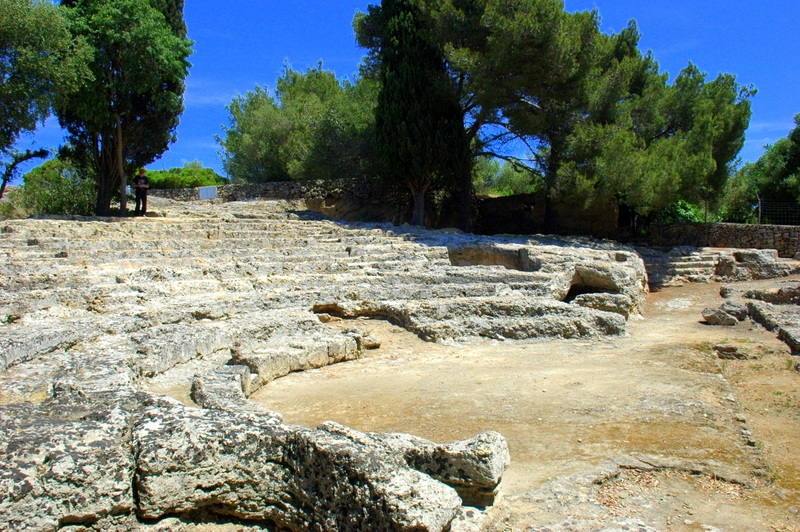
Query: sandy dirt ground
<point x="646" y="432"/>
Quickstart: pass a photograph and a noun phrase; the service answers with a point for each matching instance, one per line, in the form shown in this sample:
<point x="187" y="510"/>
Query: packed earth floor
<point x="650" y="428"/>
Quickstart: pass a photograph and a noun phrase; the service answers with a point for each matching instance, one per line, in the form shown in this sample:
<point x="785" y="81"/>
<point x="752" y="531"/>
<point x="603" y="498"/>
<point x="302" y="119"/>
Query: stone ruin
<point x="223" y="299"/>
<point x="93" y="310"/>
<point x="756" y="296"/>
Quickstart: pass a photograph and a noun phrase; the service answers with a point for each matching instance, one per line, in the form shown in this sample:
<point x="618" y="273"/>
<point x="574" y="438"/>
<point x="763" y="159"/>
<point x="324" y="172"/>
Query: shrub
<point x="190" y="176"/>
<point x="680" y="211"/>
<point x="55" y="187"/>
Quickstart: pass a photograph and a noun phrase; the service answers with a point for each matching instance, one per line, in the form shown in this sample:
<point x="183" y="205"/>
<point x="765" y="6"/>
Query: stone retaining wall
<point x="784" y="238"/>
<point x="349" y="199"/>
<point x="370" y="200"/>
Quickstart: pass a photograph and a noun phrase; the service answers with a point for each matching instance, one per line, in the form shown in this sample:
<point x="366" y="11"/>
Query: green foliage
<point x="774" y="177"/>
<point x="599" y="121"/>
<point x="190" y="176"/>
<point x="418" y="117"/>
<point x="126" y="115"/>
<point x="39" y="64"/>
<point x="650" y="144"/>
<point x="56" y="187"/>
<point x="484" y="172"/>
<point x="314" y="127"/>
<point x="507" y="179"/>
<point x="680" y="211"/>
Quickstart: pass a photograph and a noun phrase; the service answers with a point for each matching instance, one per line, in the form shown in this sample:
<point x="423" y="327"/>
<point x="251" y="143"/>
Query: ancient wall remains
<point x="348" y="199"/>
<point x="370" y="200"/>
<point x="784" y="238"/>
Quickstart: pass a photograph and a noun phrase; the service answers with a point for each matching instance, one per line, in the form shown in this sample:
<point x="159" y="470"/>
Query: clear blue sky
<point x="245" y="43"/>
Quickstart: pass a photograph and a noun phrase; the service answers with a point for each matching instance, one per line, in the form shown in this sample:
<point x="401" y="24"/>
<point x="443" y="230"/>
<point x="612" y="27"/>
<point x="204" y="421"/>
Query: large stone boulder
<point x="715" y="316"/>
<point x="86" y="458"/>
<point x="254" y="469"/>
<point x="67" y="461"/>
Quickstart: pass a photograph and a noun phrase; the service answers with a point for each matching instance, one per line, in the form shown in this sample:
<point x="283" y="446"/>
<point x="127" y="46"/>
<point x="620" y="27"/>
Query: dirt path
<point x="657" y="402"/>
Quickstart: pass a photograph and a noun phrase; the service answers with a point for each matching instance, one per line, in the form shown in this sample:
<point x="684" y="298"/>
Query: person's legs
<point x="144" y="203"/>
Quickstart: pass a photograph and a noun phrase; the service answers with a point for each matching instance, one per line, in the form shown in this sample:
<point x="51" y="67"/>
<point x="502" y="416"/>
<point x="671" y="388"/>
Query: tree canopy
<point x="417" y="118"/>
<point x="312" y="127"/>
<point x="588" y="111"/>
<point x="40" y="62"/>
<point x="126" y="115"/>
<point x="773" y="178"/>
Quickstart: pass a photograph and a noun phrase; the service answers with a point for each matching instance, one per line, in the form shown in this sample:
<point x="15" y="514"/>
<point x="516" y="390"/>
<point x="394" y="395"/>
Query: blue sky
<point x="247" y="42"/>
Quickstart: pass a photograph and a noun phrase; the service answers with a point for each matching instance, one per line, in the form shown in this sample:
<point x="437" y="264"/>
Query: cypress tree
<point x="417" y="116"/>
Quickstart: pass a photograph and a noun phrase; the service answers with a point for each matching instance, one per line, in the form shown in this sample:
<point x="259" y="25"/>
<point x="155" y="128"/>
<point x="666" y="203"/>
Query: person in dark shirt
<point x="140" y="185"/>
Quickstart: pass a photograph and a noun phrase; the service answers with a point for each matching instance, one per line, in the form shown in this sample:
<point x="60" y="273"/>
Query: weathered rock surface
<point x="252" y="468"/>
<point x="66" y="461"/>
<point x="225" y="298"/>
<point x="715" y="316"/>
<point x="687" y="264"/>
<point x="473" y="467"/>
<point x="79" y="459"/>
<point x="777" y="309"/>
<point x="736" y="310"/>
<point x="729" y="352"/>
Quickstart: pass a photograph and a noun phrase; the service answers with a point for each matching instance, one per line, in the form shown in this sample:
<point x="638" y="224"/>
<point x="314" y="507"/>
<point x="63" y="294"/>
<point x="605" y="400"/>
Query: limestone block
<point x="473" y="467"/>
<point x="736" y="310"/>
<point x="618" y="303"/>
<point x="729" y="352"/>
<point x="762" y="263"/>
<point x="20" y="343"/>
<point x="715" y="316"/>
<point x="790" y="334"/>
<point x="163" y="347"/>
<point x="280" y="355"/>
<point x="66" y="461"/>
<point x="237" y="466"/>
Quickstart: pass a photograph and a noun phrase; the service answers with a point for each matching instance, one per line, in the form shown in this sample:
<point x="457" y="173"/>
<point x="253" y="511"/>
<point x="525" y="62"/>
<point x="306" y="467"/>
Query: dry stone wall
<point x="223" y="298"/>
<point x="368" y="199"/>
<point x="783" y="238"/>
<point x="349" y="199"/>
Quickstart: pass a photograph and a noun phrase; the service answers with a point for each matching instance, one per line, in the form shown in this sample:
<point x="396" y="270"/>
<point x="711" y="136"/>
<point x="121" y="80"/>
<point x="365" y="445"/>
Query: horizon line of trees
<point x="584" y="116"/>
<point x="453" y="95"/>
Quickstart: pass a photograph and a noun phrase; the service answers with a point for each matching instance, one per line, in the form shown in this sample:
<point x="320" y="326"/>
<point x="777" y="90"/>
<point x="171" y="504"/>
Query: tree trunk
<point x="123" y="181"/>
<point x="418" y="218"/>
<point x="105" y="191"/>
<point x="465" y="192"/>
<point x="107" y="170"/>
<point x="550" y="178"/>
<point x="418" y="191"/>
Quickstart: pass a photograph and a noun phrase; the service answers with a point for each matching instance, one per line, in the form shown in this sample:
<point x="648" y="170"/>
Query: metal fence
<point x="778" y="213"/>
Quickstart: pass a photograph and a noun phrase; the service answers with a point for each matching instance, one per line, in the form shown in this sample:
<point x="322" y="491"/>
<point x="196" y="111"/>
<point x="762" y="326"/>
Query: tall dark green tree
<point x="417" y="118"/>
<point x="598" y="119"/>
<point x="126" y="116"/>
<point x="513" y="66"/>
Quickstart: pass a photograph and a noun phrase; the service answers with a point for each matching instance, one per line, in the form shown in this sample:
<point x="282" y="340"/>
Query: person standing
<point x="140" y="185"/>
